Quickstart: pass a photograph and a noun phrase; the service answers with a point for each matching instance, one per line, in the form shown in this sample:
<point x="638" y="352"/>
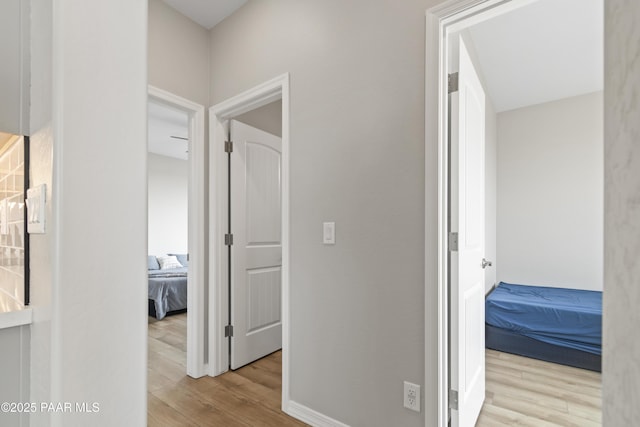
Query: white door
<point x="467" y="219"/>
<point x="256" y="252"/>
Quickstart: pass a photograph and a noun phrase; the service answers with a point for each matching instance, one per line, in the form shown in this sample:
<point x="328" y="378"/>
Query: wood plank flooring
<point x="529" y="392"/>
<point x="249" y="396"/>
<point x="520" y="391"/>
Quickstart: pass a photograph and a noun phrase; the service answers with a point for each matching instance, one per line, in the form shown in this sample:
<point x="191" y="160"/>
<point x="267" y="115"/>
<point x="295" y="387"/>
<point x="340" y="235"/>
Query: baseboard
<point x="311" y="417"/>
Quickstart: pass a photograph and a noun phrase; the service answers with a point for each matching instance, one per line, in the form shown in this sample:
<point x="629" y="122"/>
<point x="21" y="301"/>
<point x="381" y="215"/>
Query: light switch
<point x="36" y="208"/>
<point x="329" y="233"/>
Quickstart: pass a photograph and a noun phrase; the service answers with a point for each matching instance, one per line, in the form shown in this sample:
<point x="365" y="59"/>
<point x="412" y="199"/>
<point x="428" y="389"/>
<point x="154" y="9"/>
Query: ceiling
<point x="207" y="13"/>
<point x="544" y="51"/>
<point x="165" y="123"/>
<point x="547" y="50"/>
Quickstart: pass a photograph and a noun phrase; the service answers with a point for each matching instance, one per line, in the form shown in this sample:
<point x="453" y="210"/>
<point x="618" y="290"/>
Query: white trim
<point x="196" y="366"/>
<point x="311" y="417"/>
<point x="442" y="20"/>
<point x="272" y="90"/>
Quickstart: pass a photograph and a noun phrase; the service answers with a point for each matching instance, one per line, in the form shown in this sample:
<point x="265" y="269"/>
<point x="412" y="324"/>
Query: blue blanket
<point x="565" y="317"/>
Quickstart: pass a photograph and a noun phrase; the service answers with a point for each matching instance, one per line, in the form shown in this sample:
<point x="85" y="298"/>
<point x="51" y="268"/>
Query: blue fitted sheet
<point x="566" y="317"/>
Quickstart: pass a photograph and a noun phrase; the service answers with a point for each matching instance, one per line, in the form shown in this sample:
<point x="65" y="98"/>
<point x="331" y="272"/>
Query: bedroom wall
<point x="168" y="204"/>
<point x="357" y="141"/>
<point x="550" y="194"/>
<point x="621" y="317"/>
<point x="267" y="118"/>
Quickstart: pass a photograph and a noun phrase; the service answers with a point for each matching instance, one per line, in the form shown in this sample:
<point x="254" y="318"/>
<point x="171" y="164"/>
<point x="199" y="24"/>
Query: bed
<point x="167" y="286"/>
<point x="554" y="324"/>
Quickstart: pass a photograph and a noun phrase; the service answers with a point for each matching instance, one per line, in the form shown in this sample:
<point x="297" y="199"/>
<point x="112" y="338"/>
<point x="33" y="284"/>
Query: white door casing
<point x="219" y="114"/>
<point x="256" y="252"/>
<point x="196" y="364"/>
<point x="467" y="219"/>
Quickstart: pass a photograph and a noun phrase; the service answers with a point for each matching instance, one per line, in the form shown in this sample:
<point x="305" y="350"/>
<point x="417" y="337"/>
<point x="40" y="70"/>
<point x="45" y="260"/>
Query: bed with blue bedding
<point x="554" y="324"/>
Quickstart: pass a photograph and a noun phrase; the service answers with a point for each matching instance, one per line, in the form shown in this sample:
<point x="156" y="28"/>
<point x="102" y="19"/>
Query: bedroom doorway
<point x="250" y="254"/>
<point x="462" y="18"/>
<point x="179" y="156"/>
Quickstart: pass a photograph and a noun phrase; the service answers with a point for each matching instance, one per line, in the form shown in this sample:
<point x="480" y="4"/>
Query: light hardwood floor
<point x="520" y="391"/>
<point x="249" y="396"/>
<point x="529" y="392"/>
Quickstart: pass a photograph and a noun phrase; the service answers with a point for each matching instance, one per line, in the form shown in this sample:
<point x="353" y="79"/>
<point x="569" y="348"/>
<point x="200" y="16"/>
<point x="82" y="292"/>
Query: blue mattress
<point x="569" y="318"/>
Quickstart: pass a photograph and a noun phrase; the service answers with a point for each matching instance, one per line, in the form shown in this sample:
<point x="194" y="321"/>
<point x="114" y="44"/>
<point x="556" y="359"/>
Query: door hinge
<point x="228" y="239"/>
<point x="453" y="399"/>
<point x="453" y="82"/>
<point x="228" y="146"/>
<point x="453" y="241"/>
<point x="228" y="331"/>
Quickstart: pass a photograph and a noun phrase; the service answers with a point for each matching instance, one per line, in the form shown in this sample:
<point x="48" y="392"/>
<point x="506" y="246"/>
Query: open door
<point x="467" y="364"/>
<point x="256" y="250"/>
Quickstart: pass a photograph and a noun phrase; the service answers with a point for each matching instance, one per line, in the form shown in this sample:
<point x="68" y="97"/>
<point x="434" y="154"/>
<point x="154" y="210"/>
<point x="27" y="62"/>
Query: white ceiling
<point x="164" y="123"/>
<point x="548" y="50"/>
<point x="207" y="13"/>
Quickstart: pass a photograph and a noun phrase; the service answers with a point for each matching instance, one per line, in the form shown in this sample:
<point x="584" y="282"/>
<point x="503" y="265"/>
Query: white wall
<point x="82" y="345"/>
<point x="550" y="194"/>
<point x="357" y="158"/>
<point x="621" y="370"/>
<point x="42" y="246"/>
<point x="14" y="371"/>
<point x="14" y="68"/>
<point x="267" y="118"/>
<point x="178" y="54"/>
<point x="168" y="204"/>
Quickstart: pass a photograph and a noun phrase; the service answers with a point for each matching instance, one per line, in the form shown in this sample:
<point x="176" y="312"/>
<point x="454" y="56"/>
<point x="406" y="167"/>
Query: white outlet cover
<point x="412" y="396"/>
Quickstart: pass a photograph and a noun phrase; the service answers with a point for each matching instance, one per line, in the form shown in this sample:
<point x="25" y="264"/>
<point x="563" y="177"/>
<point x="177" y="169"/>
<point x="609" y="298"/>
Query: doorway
<point x="195" y="363"/>
<point x="220" y="252"/>
<point x="442" y="23"/>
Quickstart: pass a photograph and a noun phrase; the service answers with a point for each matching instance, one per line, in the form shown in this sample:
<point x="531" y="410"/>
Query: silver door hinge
<point x="228" y="331"/>
<point x="453" y="82"/>
<point x="228" y="239"/>
<point x="453" y="241"/>
<point x="228" y="146"/>
<point x="453" y="399"/>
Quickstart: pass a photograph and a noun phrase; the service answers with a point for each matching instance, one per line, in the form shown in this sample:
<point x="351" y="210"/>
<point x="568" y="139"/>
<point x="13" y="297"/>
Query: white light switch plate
<point x="329" y="233"/>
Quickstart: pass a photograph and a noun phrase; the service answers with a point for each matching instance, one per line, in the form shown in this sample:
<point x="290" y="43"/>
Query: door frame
<point x="442" y="20"/>
<point x="196" y="366"/>
<point x="258" y="96"/>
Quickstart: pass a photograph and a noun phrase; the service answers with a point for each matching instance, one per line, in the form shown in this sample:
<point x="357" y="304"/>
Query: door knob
<point x="486" y="263"/>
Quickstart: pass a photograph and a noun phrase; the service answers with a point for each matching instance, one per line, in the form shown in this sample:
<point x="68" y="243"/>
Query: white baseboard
<point x="311" y="417"/>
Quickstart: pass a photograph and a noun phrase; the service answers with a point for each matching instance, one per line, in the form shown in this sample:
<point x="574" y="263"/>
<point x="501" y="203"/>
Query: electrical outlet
<point x="412" y="396"/>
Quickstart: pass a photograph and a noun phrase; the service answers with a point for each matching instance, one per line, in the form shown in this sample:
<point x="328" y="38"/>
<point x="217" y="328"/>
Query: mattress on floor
<point x="569" y="318"/>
